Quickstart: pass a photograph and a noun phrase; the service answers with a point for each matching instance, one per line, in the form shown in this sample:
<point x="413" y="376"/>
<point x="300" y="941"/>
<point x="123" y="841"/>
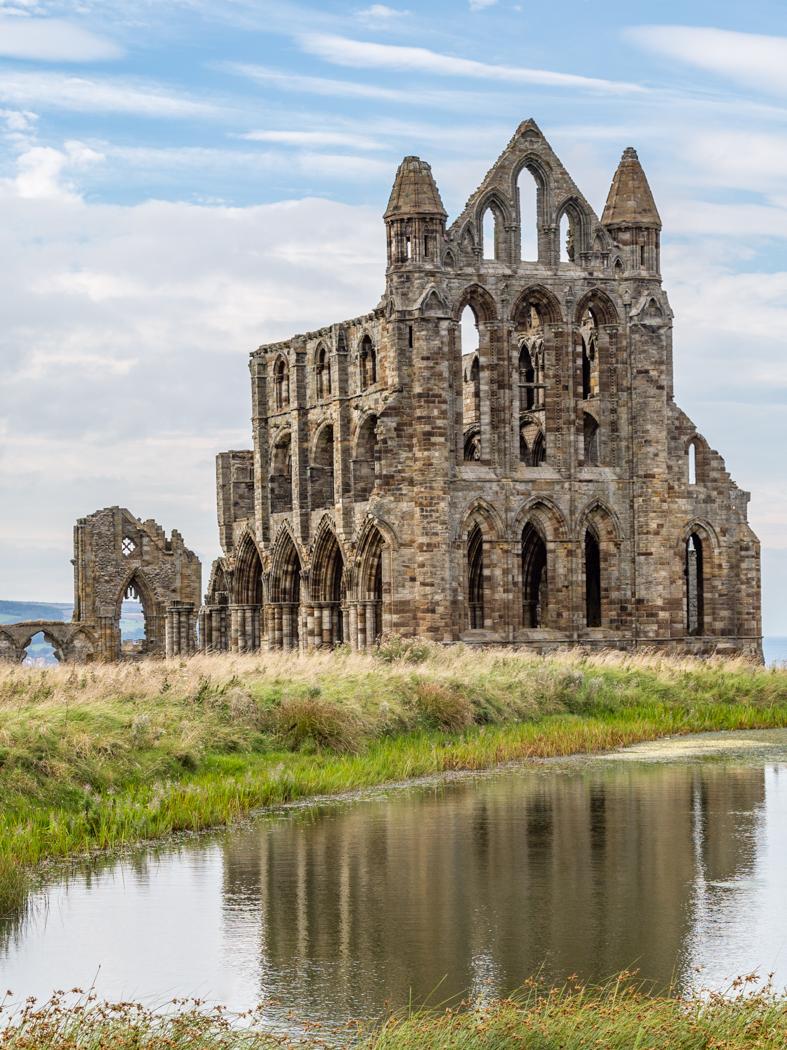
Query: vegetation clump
<point x="618" y="1016"/>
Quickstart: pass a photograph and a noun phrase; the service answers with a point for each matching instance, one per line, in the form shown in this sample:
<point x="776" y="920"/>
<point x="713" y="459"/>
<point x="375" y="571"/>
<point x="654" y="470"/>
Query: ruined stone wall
<point x="549" y="505"/>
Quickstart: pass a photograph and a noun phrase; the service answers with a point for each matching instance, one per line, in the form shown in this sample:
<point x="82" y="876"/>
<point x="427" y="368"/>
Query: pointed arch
<point x="700" y="552"/>
<point x="590" y="440"/>
<point x="373" y="577"/>
<point x="545" y="303"/>
<point x="280" y="477"/>
<point x="579" y="229"/>
<point x="281" y="383"/>
<point x="322" y="372"/>
<point x="547" y="514"/>
<point x="321" y="468"/>
<point x="247" y="577"/>
<point x="365" y="457"/>
<point x="480" y="301"/>
<point x="285" y="592"/>
<point x="600" y="305"/>
<point x="367" y="361"/>
<point x="480" y="511"/>
<point x="599" y="537"/>
<point x="327" y="588"/>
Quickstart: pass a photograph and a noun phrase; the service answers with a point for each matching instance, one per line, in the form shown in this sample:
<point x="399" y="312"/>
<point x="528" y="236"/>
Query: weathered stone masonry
<point x="540" y="489"/>
<point x="117" y="556"/>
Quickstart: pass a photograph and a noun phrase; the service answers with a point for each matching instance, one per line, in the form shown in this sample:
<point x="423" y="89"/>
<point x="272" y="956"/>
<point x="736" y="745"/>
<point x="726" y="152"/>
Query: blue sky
<point x="182" y="181"/>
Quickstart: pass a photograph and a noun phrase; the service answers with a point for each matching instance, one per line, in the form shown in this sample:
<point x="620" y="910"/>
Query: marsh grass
<point x="618" y="1016"/>
<point x="101" y="756"/>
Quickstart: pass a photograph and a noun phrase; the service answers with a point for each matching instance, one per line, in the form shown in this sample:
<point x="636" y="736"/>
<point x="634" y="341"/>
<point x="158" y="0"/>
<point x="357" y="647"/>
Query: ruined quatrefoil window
<point x="128" y="546"/>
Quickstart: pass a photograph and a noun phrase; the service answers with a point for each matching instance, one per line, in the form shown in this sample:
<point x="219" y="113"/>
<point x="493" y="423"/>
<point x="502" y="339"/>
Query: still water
<point x="671" y="858"/>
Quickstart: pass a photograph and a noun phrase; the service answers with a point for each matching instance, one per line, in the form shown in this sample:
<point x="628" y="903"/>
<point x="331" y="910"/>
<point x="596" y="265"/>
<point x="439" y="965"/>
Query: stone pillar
<point x="361" y="625"/>
<point x="352" y="618"/>
<point x="179" y="631"/>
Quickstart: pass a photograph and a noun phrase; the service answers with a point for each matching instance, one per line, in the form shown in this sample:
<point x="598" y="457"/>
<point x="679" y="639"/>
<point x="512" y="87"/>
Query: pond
<point x="669" y="857"/>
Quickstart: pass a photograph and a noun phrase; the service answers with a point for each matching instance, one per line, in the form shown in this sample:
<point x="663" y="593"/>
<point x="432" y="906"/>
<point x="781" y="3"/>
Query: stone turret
<point x="415" y="217"/>
<point x="631" y="216"/>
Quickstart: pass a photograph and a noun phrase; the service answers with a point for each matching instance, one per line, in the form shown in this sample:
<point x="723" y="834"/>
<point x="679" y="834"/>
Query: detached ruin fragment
<point x="117" y="556"/>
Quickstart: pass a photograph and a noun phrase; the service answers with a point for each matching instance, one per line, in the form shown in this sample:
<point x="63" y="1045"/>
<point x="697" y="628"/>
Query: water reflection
<point x="582" y="868"/>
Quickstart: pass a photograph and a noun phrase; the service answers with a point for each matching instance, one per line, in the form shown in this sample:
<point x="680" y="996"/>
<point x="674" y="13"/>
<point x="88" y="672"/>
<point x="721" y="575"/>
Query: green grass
<point x="619" y="1016"/>
<point x="99" y="757"/>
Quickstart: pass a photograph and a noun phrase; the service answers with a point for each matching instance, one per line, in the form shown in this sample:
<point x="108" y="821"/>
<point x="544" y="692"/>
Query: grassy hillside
<point x="10" y="611"/>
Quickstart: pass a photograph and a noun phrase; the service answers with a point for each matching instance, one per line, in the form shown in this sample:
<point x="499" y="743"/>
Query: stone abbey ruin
<point x="538" y="487"/>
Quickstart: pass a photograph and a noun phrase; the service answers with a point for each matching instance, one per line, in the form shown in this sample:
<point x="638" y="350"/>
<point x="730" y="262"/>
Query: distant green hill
<point x="10" y="612"/>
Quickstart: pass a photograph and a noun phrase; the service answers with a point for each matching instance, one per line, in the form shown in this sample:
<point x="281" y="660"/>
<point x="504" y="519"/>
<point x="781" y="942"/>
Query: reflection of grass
<point x="95" y="757"/>
<point x="619" y="1016"/>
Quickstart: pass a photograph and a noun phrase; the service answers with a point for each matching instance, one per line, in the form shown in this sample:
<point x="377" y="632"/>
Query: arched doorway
<point x="534" y="577"/>
<point x="286" y="595"/>
<point x="695" y="586"/>
<point x="475" y="578"/>
<point x="369" y="606"/>
<point x="592" y="579"/>
<point x="328" y="591"/>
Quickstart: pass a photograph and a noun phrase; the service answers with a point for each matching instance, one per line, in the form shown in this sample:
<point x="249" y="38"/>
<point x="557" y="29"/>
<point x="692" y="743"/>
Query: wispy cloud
<point x="748" y="58"/>
<point x="53" y="40"/>
<point x="380" y="16"/>
<point x="98" y="95"/>
<point x="361" y="54"/>
<point x="314" y="139"/>
<point x="479" y="5"/>
<point x="351" y="89"/>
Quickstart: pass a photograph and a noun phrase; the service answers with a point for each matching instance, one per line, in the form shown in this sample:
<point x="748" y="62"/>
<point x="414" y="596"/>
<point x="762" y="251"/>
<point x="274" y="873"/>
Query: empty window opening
<point x="132" y="623"/>
<point x="695" y="586"/>
<point x="410" y="336"/>
<point x="527" y="379"/>
<point x="128" y="546"/>
<point x="475" y="577"/>
<point x="427" y="246"/>
<point x="592" y="580"/>
<point x="490" y="234"/>
<point x="281" y="476"/>
<point x="368" y="361"/>
<point x="693" y="463"/>
<point x="323" y="373"/>
<point x="471" y="386"/>
<point x="532" y="446"/>
<point x="534" y="577"/>
<point x="39" y="652"/>
<point x="408" y="248"/>
<point x="591" y="443"/>
<point x="528" y="215"/>
<point x="642" y="255"/>
<point x="281" y="383"/>
<point x="590" y="372"/>
<point x="618" y="268"/>
<point x="364" y="465"/>
<point x="567" y="239"/>
<point x="321" y="472"/>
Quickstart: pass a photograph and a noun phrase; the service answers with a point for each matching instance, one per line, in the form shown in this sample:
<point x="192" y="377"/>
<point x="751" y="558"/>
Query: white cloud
<point x="362" y="54"/>
<point x="97" y="95"/>
<point x="749" y="58"/>
<point x="480" y="5"/>
<point x="53" y="40"/>
<point x="41" y="170"/>
<point x="380" y="16"/>
<point x="316" y="139"/>
<point x="126" y="333"/>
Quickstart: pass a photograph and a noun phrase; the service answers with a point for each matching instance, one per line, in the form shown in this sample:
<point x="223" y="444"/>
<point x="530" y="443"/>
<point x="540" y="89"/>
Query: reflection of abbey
<point x="522" y="478"/>
<point x="538" y="486"/>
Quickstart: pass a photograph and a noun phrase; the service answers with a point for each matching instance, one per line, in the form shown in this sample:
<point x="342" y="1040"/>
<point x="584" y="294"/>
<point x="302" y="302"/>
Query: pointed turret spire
<point x="414" y="191"/>
<point x="415" y="218"/>
<point x="630" y="201"/>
